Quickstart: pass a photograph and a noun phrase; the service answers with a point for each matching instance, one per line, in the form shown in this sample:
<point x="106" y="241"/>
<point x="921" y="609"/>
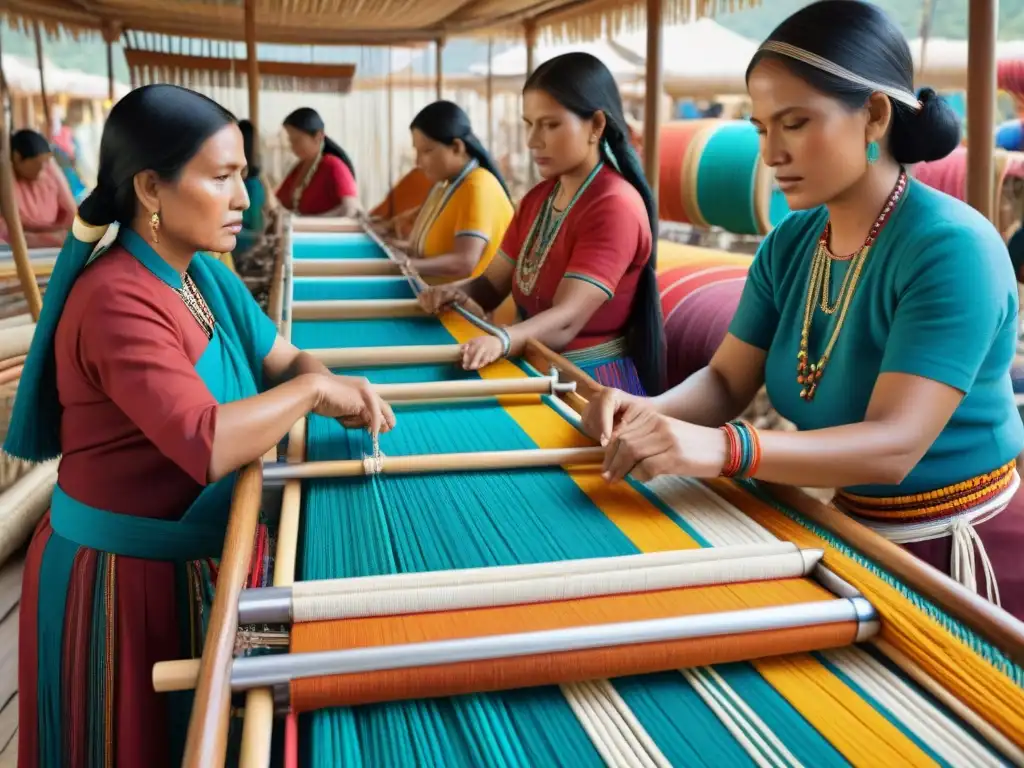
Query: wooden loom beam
<point x="206" y="743"/>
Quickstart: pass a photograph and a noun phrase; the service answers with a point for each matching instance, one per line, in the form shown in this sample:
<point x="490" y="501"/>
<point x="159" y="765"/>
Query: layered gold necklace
<point x="819" y="290"/>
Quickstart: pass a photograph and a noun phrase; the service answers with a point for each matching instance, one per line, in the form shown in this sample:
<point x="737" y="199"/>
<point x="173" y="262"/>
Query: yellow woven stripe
<point x="646" y="526"/>
<point x="951" y="663"/>
<point x="839" y="714"/>
<point x="843" y="718"/>
<point x="672" y="255"/>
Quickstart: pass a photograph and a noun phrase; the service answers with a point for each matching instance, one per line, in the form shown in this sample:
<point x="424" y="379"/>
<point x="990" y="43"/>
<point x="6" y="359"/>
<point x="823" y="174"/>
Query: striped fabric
<point x="700" y="289"/>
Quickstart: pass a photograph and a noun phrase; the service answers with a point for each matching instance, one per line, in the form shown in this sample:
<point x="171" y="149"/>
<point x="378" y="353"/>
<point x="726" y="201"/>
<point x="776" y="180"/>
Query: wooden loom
<point x="938" y="637"/>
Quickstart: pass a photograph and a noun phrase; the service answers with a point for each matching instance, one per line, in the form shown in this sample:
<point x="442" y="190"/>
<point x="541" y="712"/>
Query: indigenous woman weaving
<point x="323" y="181"/>
<point x="579" y="255"/>
<point x="460" y="225"/>
<point x="41" y="192"/>
<point x="155" y="376"/>
<point x="881" y="314"/>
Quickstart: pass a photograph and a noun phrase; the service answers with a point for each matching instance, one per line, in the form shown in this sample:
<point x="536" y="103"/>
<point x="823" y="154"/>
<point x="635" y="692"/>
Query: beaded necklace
<point x="808" y="374"/>
<point x="196" y="304"/>
<point x="542" y="234"/>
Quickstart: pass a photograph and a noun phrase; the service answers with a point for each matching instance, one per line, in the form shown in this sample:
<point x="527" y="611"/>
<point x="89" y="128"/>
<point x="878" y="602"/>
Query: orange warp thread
<point x="549" y="669"/>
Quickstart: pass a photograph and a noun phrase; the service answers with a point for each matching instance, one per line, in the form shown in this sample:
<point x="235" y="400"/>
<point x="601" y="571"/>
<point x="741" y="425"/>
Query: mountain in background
<point x="950" y="21"/>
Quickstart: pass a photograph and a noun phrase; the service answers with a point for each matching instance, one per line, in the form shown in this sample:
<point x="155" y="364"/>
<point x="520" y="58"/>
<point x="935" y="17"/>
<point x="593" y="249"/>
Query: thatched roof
<point x="357" y="22"/>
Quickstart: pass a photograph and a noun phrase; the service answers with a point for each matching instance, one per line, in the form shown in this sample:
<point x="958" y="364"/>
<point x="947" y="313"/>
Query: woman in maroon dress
<point x="323" y="182"/>
<point x="154" y="376"/>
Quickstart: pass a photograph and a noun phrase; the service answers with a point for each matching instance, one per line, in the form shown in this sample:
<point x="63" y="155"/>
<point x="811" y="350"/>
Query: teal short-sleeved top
<point x="937" y="298"/>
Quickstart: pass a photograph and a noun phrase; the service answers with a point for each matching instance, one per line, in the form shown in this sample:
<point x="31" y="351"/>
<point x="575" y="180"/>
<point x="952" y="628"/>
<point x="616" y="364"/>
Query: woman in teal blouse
<point x="881" y="314"/>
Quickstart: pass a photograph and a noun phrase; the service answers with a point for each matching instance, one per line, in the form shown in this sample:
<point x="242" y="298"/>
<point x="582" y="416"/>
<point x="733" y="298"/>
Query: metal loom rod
<point x="366" y="357"/>
<point x="435" y="462"/>
<point x="335" y="600"/>
<point x="264" y="671"/>
<point x="354" y="309"/>
<point x="344" y="267"/>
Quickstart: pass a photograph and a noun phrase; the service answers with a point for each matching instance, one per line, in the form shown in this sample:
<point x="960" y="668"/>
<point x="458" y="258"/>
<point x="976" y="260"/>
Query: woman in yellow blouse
<point x="461" y="224"/>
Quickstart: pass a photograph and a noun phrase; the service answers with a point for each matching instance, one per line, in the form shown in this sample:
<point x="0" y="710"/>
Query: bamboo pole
<point x="362" y="357"/>
<point x="16" y="235"/>
<point x="42" y="80"/>
<point x="439" y="67"/>
<point x="490" y="94"/>
<point x="252" y="75"/>
<point x="530" y="33"/>
<point x="345" y="268"/>
<point x="471" y="461"/>
<point x="982" y="23"/>
<point x="343" y="309"/>
<point x="206" y="744"/>
<point x="652" y="95"/>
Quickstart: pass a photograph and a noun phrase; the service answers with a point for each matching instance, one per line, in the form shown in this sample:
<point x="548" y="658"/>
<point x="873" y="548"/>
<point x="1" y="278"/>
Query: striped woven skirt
<point x="609" y="365"/>
<point x="92" y="625"/>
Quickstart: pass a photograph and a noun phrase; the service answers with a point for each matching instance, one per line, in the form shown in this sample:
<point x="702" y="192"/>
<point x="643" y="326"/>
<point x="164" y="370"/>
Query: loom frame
<point x="209" y="721"/>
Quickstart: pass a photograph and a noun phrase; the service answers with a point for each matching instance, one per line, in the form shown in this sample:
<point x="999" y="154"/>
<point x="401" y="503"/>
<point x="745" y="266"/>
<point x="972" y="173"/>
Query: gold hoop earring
<point x="154" y="225"/>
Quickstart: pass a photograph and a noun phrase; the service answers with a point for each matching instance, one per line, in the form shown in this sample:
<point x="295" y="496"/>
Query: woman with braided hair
<point x="579" y="255"/>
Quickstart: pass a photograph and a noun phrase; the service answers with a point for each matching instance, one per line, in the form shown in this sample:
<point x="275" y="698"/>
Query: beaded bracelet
<point x="744" y="446"/>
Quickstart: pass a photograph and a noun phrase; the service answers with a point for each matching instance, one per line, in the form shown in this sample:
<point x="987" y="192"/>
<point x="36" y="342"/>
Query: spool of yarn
<point x="676" y="199"/>
<point x="712" y="175"/>
<point x="700" y="289"/>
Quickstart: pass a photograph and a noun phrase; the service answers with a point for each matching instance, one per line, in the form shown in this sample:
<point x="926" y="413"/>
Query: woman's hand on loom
<point x="439" y="298"/>
<point x="650" y="445"/>
<point x="609" y="409"/>
<point x="481" y="351"/>
<point x="353" y="402"/>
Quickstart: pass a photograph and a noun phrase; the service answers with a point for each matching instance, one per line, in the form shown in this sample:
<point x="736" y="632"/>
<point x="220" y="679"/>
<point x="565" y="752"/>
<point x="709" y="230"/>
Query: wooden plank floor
<point x="10" y="594"/>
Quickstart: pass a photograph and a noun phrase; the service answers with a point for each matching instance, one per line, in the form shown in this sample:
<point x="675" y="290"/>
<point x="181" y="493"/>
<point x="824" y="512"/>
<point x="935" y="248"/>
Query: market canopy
<point x="356" y="21"/>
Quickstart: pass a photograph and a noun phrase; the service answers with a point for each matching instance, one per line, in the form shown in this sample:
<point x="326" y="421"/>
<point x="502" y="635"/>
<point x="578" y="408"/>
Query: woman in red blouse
<point x="323" y="182"/>
<point x="579" y="256"/>
<point x="154" y="375"/>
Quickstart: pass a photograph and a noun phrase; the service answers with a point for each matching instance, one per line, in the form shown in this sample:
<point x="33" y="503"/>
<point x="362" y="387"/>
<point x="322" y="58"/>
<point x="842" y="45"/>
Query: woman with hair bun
<point x="579" y="256"/>
<point x="460" y="225"/>
<point x="323" y="181"/>
<point x="154" y="375"/>
<point x="881" y="314"/>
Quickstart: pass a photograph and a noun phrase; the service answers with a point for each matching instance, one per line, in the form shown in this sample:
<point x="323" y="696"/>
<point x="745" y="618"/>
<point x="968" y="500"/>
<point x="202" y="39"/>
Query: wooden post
<point x="439" y="67"/>
<point x="42" y="80"/>
<point x="982" y="18"/>
<point x="111" y="34"/>
<point x="652" y="93"/>
<point x="530" y="33"/>
<point x="9" y="210"/>
<point x="252" y="75"/>
<point x="490" y="94"/>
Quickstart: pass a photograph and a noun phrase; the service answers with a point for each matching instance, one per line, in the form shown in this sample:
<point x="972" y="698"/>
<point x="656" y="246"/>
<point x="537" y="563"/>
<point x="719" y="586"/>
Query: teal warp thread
<point x="416" y="523"/>
<point x="328" y="288"/>
<point x="726" y="177"/>
<point x="354" y="245"/>
<point x="965" y="634"/>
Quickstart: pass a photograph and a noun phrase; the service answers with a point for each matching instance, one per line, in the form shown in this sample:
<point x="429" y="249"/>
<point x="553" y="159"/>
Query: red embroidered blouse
<point x="331" y="182"/>
<point x="605" y="240"/>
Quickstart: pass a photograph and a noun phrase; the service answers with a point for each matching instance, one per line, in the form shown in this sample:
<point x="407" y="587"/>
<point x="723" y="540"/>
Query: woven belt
<point x="599" y="353"/>
<point x="952" y="511"/>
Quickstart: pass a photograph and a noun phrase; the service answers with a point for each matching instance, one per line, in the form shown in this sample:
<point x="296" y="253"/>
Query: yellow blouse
<point x="473" y="204"/>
